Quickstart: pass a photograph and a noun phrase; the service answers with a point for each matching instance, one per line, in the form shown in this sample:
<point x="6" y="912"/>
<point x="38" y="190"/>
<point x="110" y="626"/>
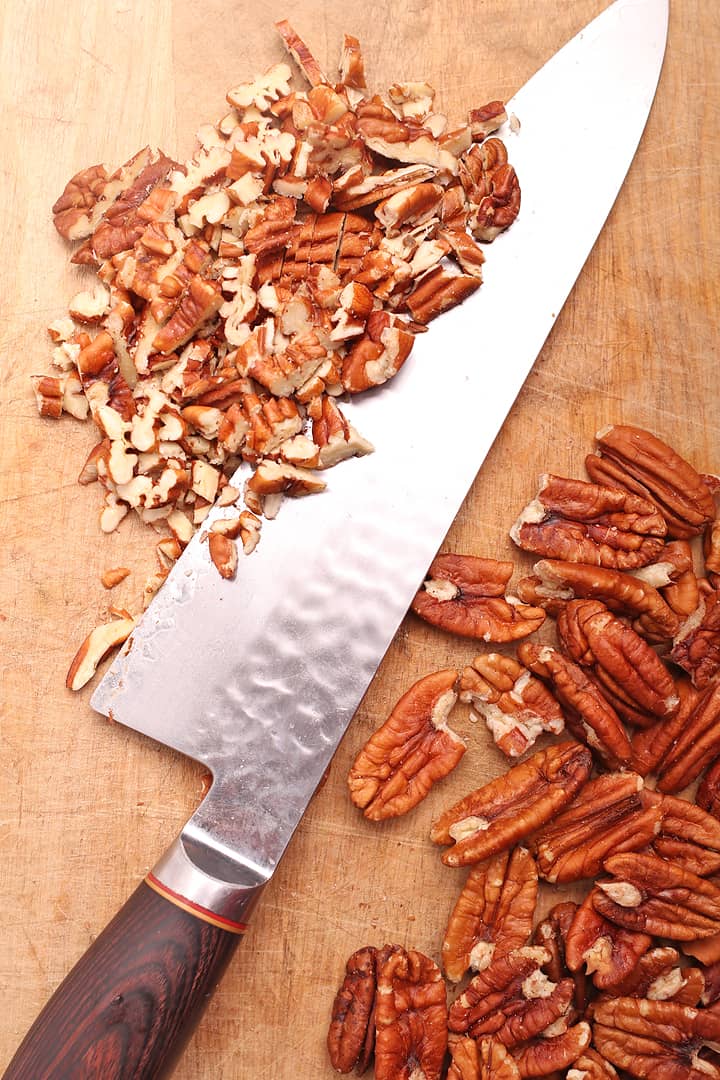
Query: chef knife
<point x="258" y="678"/>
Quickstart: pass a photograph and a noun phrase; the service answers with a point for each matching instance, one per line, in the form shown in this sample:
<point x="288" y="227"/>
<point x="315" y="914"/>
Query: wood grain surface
<point x="85" y="808"/>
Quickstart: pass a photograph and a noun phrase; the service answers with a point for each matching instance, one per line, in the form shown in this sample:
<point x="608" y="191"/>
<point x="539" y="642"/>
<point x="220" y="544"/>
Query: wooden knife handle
<point x="129" y="1005"/>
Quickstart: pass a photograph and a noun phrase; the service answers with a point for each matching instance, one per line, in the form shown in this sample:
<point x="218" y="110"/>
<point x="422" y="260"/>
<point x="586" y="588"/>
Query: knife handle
<point x="130" y="1004"/>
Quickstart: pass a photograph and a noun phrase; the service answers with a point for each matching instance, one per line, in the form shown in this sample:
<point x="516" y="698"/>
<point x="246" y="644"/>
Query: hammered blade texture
<point x="259" y="677"/>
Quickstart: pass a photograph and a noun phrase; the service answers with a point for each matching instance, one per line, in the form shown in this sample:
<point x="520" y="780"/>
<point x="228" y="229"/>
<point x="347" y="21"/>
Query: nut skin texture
<point x="592" y="1066"/>
<point x="697" y="646"/>
<point x="651" y="745"/>
<point x="407" y="755"/>
<point x="608" y="952"/>
<point x="544" y="1056"/>
<point x="551" y="935"/>
<point x="482" y="1059"/>
<point x="514" y="805"/>
<point x="638" y="461"/>
<point x="696" y="745"/>
<point x="708" y="793"/>
<point x="688" y="836"/>
<point x="352" y="1012"/>
<point x="410" y="1017"/>
<point x="470" y="601"/>
<point x="659" y="977"/>
<point x="495" y="907"/>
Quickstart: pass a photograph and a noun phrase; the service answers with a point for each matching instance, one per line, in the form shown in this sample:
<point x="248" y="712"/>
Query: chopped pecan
<point x="486" y="119"/>
<point x="113" y="576"/>
<point x="96" y="646"/>
<point x="640" y="462"/>
<point x="591" y="1066"/>
<point x="300" y="53"/>
<point x="224" y="554"/>
<point x="655" y="1038"/>
<point x="696" y="744"/>
<point x="491" y="187"/>
<point x="688" y="836"/>
<point x="659" y="977"/>
<point x="651" y="895"/>
<point x="464" y="595"/>
<point x="352" y="66"/>
<point x="351" y="1036"/>
<point x="551" y="935"/>
<point x="711" y="553"/>
<point x="609" y="815"/>
<point x="512" y="806"/>
<point x="411" y="206"/>
<point x="198" y="305"/>
<point x="696" y="647"/>
<point x="493" y="914"/>
<point x="74" y="213"/>
<point x="607" y="952"/>
<point x="410" y="1017"/>
<point x="588" y="714"/>
<point x="438" y="292"/>
<point x="549" y="1054"/>
<point x="515" y="706"/>
<point x="412" y="750"/>
<point x="400" y="140"/>
<point x="377" y="355"/>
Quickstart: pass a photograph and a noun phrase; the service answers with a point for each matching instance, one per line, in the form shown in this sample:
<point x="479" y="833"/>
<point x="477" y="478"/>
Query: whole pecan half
<point x="650" y="745"/>
<point x="465" y="595"/>
<point x="655" y="1038"/>
<point x="512" y="1000"/>
<point x="696" y="647"/>
<point x="412" y="750"/>
<point x="590" y="523"/>
<point x="659" y="977"/>
<point x="484" y="1059"/>
<point x="515" y="706"/>
<point x="493" y="914"/>
<point x="549" y="1054"/>
<point x="512" y="806"/>
<point x="687" y="835"/>
<point x="696" y="745"/>
<point x="592" y="1066"/>
<point x="637" y="461"/>
<point x="607" y="952"/>
<point x="551" y="935"/>
<point x="588" y="714"/>
<point x="648" y="894"/>
<point x="351" y="1036"/>
<point x="609" y="815"/>
<point x="410" y="1017"/>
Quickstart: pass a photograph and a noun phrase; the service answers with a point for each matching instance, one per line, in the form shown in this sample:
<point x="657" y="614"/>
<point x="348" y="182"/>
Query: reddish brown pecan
<point x="696" y="745"/>
<point x="512" y="806"/>
<point x="711" y="983"/>
<point x="197" y="306"/>
<point x="659" y="977"/>
<point x="493" y="914"/>
<point x="607" y="952"/>
<point x="575" y="521"/>
<point x="592" y="1066"/>
<point x="410" y="1017"/>
<point x="696" y="648"/>
<point x="464" y="595"/>
<point x="352" y="1029"/>
<point x="412" y="750"/>
<point x="653" y="896"/>
<point x="674" y="576"/>
<point x="588" y="714"/>
<point x="687" y="836"/>
<point x="491" y="187"/>
<point x="711" y="553"/>
<point x="650" y="745"/>
<point x="655" y="1038"/>
<point x="484" y="1059"/>
<point x="708" y="792"/>
<point x="637" y="461"/>
<point x="608" y="816"/>
<point x="515" y="706"/>
<point x="553" y="1053"/>
<point x="378" y="355"/>
<point x="551" y="935"/>
<point x="439" y="291"/>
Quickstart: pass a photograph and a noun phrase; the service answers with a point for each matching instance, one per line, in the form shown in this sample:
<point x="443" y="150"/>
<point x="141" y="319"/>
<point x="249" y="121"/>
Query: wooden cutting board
<point x="86" y="807"/>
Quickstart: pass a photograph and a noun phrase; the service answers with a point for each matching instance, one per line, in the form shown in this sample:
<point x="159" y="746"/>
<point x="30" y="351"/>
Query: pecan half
<point x="592" y="1066"/>
<point x="708" y="792"/>
<point x="551" y="935"/>
<point x="637" y="461"/>
<point x="688" y="836"/>
<point x="607" y="952"/>
<point x="696" y="647"/>
<point x="608" y="816"/>
<point x="493" y="914"/>
<point x="651" y="895"/>
<point x="659" y="977"/>
<point x="549" y="1054"/>
<point x="509" y="808"/>
<point x="412" y="750"/>
<point x="696" y="745"/>
<point x="652" y="744"/>
<point x="351" y="1036"/>
<point x="576" y="521"/>
<point x="655" y="1038"/>
<point x="674" y="576"/>
<point x="484" y="1059"/>
<point x="515" y="706"/>
<point x="464" y="595"/>
<point x="410" y="1017"/>
<point x="588" y="714"/>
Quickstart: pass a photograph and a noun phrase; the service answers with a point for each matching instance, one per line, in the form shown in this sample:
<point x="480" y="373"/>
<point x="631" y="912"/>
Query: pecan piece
<point x="463" y="594"/>
<point x="688" y="836"/>
<point x="575" y="521"/>
<point x="588" y="714"/>
<point x="412" y="750"/>
<point x="512" y="806"/>
<point x="652" y="744"/>
<point x="708" y="792"/>
<point x="608" y="816"/>
<point x="608" y="952"/>
<point x="493" y="914"/>
<point x="592" y="1066"/>
<point x="674" y="576"/>
<point x="352" y="1030"/>
<point x="410" y="1018"/>
<point x="482" y="1059"/>
<point x="549" y="1054"/>
<point x="659" y="977"/>
<point x="654" y="896"/>
<point x="696" y="647"/>
<point x="637" y="461"/>
<point x="696" y="744"/>
<point x="438" y="292"/>
<point x="515" y="706"/>
<point x="655" y="1038"/>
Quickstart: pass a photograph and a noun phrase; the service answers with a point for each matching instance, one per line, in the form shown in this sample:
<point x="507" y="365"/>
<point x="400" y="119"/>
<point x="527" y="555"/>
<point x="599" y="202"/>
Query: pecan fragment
<point x="512" y="806"/>
<point x="493" y="914"/>
<point x="438" y="292"/>
<point x="609" y="953"/>
<point x="410" y="1017"/>
<point x="463" y="594"/>
<point x="412" y="750"/>
<point x="696" y="744"/>
<point x="696" y="648"/>
<point x="708" y="792"/>
<point x="591" y="1066"/>
<point x="545" y="1055"/>
<point x="659" y="977"/>
<point x="96" y="646"/>
<point x="352" y="1030"/>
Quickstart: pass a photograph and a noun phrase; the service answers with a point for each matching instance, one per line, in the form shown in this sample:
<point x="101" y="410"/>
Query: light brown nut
<point x="410" y="1017"/>
<point x="696" y="647"/>
<point x="351" y="1036"/>
<point x="659" y="977"/>
<point x="352" y="66"/>
<point x="607" y="952"/>
<point x="199" y="304"/>
<point x="482" y="1059"/>
<point x="412" y="750"/>
<point x="653" y="896"/>
<point x="509" y="808"/>
<point x="486" y="119"/>
<point x="300" y="53"/>
<point x="463" y="594"/>
<point x="491" y="187"/>
<point x="112" y="577"/>
<point x="688" y="836"/>
<point x="640" y="462"/>
<point x="512" y="1000"/>
<point x="96" y="646"/>
<point x="515" y="706"/>
<point x="696" y="744"/>
<point x="551" y="935"/>
<point x="575" y="521"/>
<point x="655" y="1038"/>
<point x="411" y="206"/>
<point x="592" y="1066"/>
<point x="549" y="1054"/>
<point x="608" y="816"/>
<point x="224" y="554"/>
<point x="708" y="792"/>
<point x="49" y="391"/>
<point x="493" y="914"/>
<point x="378" y="355"/>
<point x="73" y="212"/>
<point x="619" y="658"/>
<point x="588" y="714"/>
<point x="438" y="292"/>
<point x="711" y="553"/>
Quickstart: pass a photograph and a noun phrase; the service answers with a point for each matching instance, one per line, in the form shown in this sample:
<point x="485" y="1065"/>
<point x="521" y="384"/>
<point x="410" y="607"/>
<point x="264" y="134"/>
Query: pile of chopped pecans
<point x="240" y="295"/>
<point x="627" y="982"/>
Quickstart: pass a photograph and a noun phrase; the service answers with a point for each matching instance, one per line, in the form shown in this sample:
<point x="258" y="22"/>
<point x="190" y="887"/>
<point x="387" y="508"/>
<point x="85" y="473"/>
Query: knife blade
<point x="258" y="678"/>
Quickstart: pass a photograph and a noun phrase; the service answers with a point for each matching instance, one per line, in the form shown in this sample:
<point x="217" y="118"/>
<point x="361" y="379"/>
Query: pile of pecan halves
<point x="627" y="982"/>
